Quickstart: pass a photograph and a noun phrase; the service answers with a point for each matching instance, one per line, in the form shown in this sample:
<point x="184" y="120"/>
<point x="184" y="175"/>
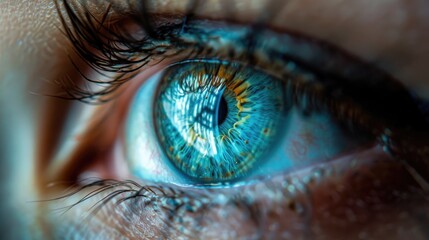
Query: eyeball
<point x="216" y="122"/>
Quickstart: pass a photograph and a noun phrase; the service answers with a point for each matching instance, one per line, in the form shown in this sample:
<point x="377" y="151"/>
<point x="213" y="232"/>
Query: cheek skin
<point x="379" y="200"/>
<point x="368" y="195"/>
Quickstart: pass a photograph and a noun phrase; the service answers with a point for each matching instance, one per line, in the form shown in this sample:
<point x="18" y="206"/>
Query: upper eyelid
<point x="325" y="48"/>
<point x="411" y="115"/>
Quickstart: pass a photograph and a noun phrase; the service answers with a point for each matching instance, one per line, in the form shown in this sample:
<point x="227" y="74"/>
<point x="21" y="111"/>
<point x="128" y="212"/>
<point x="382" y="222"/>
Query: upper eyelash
<point x="117" y="51"/>
<point x="85" y="29"/>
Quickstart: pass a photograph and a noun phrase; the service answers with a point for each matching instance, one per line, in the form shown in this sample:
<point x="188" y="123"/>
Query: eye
<point x="243" y="128"/>
<point x="235" y="102"/>
<point x="212" y="122"/>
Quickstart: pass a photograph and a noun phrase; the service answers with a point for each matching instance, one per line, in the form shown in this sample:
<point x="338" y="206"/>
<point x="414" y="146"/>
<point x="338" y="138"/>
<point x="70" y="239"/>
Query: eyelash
<point x="117" y="52"/>
<point x="161" y="198"/>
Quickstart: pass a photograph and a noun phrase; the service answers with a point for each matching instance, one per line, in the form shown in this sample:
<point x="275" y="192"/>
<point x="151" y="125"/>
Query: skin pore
<point x="34" y="53"/>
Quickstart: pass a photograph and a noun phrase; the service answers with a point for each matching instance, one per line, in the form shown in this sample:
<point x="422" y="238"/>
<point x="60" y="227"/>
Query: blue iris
<point x="215" y="121"/>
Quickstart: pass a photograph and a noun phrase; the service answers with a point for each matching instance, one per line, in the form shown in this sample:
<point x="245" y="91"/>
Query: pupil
<point x="222" y="111"/>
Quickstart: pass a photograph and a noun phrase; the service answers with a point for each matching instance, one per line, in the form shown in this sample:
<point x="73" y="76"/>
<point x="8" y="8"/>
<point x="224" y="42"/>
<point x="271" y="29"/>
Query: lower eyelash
<point x="179" y="210"/>
<point x="119" y="192"/>
<point x="136" y="198"/>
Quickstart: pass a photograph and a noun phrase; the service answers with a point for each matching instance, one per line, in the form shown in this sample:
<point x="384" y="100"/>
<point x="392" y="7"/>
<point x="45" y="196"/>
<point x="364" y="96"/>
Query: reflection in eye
<point x="219" y="121"/>
<point x="203" y="142"/>
<point x="285" y="116"/>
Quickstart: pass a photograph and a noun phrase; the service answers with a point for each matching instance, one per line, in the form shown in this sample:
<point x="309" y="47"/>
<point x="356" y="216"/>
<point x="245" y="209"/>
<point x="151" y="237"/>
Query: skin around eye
<point x="382" y="201"/>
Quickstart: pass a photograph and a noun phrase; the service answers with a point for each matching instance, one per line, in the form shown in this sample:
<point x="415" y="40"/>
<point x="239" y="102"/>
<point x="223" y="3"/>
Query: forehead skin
<point x="389" y="33"/>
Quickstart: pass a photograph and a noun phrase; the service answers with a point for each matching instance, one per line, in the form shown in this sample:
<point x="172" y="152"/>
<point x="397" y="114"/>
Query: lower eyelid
<point x="334" y="196"/>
